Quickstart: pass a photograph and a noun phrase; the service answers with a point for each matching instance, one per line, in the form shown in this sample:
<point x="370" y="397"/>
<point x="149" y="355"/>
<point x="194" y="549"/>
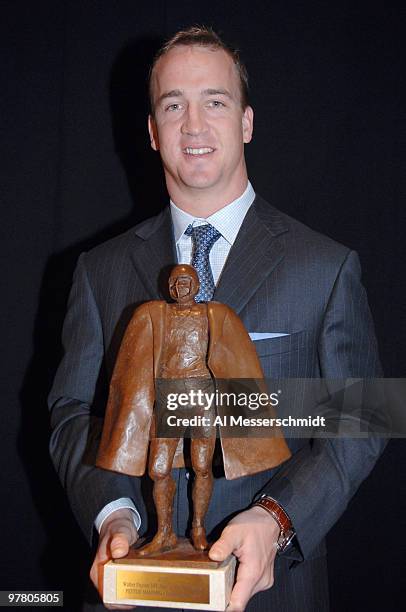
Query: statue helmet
<point x="185" y="270"/>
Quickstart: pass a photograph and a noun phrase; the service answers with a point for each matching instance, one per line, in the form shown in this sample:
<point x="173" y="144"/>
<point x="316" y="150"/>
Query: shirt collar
<point x="227" y="220"/>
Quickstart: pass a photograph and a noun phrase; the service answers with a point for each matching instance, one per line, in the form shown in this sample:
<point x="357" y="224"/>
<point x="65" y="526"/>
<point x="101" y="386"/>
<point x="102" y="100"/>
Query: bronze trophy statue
<point x="189" y="345"/>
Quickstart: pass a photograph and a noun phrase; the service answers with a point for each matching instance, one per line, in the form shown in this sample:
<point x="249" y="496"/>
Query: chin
<point x="200" y="182"/>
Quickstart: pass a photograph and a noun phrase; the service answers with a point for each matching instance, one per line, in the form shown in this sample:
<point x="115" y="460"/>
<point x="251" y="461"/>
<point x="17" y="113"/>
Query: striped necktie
<point x="203" y="238"/>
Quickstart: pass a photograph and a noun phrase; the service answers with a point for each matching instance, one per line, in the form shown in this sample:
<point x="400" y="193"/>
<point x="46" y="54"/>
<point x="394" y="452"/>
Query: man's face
<point x="181" y="287"/>
<point x="199" y="126"/>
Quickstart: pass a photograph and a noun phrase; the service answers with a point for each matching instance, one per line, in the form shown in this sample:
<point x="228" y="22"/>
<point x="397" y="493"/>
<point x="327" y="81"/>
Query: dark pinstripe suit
<point x="280" y="276"/>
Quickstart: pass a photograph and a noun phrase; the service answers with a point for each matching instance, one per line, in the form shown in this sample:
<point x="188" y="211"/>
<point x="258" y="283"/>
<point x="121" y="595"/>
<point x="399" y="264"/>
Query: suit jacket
<point x="280" y="276"/>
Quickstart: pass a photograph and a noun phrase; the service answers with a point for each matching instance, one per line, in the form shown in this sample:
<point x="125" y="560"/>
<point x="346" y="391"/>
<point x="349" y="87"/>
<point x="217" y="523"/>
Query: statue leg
<point x="202" y="450"/>
<point x="162" y="451"/>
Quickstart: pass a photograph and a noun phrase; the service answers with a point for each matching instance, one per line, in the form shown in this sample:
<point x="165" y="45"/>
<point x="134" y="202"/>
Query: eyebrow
<point x="174" y="93"/>
<point x="178" y="93"/>
<point x="217" y="92"/>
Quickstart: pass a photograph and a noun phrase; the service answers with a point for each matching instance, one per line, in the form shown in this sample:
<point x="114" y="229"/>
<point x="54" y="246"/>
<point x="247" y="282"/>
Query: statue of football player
<point x="188" y="345"/>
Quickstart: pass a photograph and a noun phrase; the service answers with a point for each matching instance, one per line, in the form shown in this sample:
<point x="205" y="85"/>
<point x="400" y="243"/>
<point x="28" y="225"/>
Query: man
<point x="298" y="294"/>
<point x="175" y="349"/>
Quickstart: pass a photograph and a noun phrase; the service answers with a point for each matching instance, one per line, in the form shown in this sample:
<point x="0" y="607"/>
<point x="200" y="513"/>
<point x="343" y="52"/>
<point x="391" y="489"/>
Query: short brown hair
<point x="204" y="37"/>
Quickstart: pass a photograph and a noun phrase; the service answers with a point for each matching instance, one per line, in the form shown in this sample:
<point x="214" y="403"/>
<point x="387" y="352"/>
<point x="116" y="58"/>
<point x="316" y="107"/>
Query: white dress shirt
<point x="227" y="221"/>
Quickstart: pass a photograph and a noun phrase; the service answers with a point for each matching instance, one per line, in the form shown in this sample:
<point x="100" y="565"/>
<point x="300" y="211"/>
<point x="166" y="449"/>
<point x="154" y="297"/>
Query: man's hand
<point x="117" y="534"/>
<point x="251" y="536"/>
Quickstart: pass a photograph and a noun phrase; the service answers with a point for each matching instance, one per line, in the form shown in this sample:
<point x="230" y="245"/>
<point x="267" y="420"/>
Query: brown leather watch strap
<point x="280" y="516"/>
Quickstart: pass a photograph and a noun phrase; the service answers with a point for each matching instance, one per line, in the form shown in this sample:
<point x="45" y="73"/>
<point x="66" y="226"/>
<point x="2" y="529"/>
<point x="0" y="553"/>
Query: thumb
<point x="224" y="546"/>
<point x="119" y="545"/>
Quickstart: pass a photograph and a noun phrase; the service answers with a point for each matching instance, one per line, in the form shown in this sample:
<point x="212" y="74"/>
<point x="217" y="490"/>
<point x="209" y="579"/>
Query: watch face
<point x="285" y="540"/>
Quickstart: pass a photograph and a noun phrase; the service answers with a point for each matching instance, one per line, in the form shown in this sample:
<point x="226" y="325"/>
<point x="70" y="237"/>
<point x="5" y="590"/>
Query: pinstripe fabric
<point x="279" y="276"/>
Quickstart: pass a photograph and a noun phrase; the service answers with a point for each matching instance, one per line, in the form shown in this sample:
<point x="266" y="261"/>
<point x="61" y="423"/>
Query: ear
<point x="153" y="133"/>
<point x="247" y="124"/>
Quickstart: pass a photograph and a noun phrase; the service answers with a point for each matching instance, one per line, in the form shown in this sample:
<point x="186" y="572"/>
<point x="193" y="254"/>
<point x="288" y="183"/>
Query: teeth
<point x="191" y="151"/>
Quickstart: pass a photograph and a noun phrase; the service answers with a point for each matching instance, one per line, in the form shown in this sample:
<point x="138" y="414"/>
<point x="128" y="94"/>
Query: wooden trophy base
<point x="180" y="578"/>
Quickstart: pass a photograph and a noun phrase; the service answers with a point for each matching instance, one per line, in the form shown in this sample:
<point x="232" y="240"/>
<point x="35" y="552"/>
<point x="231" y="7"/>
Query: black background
<point x="326" y="89"/>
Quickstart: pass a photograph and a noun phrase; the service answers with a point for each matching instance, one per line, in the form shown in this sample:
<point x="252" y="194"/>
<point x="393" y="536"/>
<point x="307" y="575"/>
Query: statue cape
<point x="129" y="421"/>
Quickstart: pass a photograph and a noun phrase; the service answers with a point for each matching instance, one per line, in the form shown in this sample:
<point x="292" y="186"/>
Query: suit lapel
<point x="254" y="255"/>
<point x="256" y="252"/>
<point x="155" y="254"/>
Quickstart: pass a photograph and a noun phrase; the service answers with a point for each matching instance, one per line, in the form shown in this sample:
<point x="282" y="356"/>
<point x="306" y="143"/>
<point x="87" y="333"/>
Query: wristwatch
<point x="281" y="517"/>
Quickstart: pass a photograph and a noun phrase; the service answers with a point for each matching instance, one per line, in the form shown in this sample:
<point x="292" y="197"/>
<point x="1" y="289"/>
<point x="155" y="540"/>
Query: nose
<point x="194" y="123"/>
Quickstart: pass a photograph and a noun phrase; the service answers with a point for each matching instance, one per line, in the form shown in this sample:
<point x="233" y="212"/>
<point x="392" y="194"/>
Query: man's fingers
<point x="228" y="543"/>
<point x="100" y="577"/>
<point x="252" y="576"/>
<point x="93" y="573"/>
<point x="242" y="592"/>
<point x="119" y="545"/>
<point x="221" y="549"/>
<point x="115" y="547"/>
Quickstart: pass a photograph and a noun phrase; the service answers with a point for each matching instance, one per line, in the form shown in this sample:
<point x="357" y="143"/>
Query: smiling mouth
<point x="200" y="151"/>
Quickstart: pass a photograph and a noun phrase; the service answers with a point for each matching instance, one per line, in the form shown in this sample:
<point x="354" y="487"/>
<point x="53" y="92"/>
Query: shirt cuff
<point x="118" y="504"/>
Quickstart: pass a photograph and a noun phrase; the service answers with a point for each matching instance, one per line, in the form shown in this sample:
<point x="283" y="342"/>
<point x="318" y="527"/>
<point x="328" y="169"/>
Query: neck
<point x="203" y="203"/>
<point x="185" y="305"/>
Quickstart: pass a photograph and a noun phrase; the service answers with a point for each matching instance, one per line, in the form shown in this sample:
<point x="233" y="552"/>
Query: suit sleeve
<point x="75" y="432"/>
<point x="316" y="484"/>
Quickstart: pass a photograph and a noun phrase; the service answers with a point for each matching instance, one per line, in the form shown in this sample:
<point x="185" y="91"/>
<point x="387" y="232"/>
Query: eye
<point x="173" y="107"/>
<point x="216" y="104"/>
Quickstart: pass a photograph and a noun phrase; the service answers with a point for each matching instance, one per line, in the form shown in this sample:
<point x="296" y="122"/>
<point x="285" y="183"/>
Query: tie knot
<point x="203" y="236"/>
